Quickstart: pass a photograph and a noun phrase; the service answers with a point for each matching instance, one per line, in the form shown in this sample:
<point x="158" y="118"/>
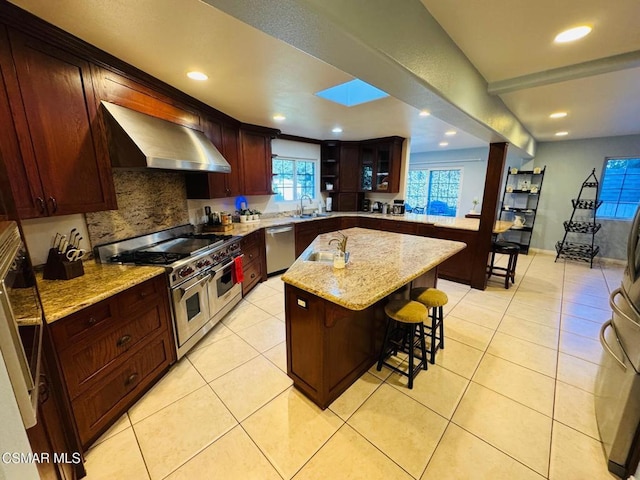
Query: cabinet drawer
<point x="140" y="296"/>
<point x="97" y="318"/>
<point x="252" y="239"/>
<point x="83" y="361"/>
<point x="96" y="409"/>
<point x="252" y="275"/>
<point x="251" y="253"/>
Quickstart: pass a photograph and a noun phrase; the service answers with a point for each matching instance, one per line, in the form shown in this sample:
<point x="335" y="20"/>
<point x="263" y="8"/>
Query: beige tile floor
<point x="510" y="397"/>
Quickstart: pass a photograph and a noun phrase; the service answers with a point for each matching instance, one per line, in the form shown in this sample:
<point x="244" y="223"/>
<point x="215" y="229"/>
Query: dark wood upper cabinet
<point x="62" y="143"/>
<point x="219" y="185"/>
<point x="349" y="162"/>
<point x="380" y="165"/>
<point x="360" y="166"/>
<point x="129" y="93"/>
<point x="255" y="154"/>
<point x="24" y="192"/>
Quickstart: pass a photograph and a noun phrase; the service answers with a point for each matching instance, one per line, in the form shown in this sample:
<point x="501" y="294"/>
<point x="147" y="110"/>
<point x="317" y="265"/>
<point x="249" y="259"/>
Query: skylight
<point x="352" y="93"/>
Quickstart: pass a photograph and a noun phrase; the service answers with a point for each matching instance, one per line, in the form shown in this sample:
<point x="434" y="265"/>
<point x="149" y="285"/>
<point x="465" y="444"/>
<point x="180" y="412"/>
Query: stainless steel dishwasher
<point x="281" y="247"/>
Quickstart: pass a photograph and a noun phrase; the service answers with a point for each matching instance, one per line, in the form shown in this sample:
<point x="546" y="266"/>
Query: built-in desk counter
<point x="335" y="317"/>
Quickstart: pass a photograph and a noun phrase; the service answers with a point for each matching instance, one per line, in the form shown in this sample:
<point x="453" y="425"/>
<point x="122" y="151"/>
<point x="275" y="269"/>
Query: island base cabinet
<point x="328" y="346"/>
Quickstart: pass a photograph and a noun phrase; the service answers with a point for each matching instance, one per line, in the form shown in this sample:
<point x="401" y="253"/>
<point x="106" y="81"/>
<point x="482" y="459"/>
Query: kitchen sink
<point x="320" y="256"/>
<point x="323" y="256"/>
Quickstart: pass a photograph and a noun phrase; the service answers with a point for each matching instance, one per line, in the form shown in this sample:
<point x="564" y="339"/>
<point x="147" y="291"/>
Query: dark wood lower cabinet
<point x="111" y="353"/>
<point x="254" y="264"/>
<point x="306" y="232"/>
<point x="458" y="268"/>
<point x="55" y="433"/>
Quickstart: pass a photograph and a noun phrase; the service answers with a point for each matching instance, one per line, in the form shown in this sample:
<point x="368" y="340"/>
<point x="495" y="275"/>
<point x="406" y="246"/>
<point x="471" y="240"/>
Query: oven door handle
<point x="183" y="291"/>
<point x="220" y="271"/>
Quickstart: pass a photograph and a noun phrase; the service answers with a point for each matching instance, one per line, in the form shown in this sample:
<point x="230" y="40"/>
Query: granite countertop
<point x="100" y="281"/>
<point x="379" y="263"/>
<point x="459" y="223"/>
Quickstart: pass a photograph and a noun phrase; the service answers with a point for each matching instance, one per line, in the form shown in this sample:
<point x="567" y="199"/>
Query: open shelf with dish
<point x="520" y="200"/>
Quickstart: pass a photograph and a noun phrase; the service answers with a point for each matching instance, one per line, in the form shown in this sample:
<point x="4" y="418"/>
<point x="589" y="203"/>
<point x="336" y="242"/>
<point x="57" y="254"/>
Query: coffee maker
<point x="398" y="207"/>
<point x="366" y="205"/>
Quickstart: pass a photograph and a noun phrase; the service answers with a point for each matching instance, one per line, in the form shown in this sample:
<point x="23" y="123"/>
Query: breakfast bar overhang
<point x="335" y="317"/>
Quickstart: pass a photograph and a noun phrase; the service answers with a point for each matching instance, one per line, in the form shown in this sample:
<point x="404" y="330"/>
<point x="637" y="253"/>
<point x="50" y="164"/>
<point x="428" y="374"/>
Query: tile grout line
<point x="555" y="383"/>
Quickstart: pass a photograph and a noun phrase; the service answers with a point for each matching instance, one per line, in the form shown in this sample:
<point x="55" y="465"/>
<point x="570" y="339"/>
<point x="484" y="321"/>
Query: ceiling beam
<point x="395" y="46"/>
<point x="570" y="72"/>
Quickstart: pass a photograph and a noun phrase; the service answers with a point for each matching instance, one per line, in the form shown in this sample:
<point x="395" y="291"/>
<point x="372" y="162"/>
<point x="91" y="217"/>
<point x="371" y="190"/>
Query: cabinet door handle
<point x="54" y="204"/>
<point x="43" y="389"/>
<point x="92" y="320"/>
<point x="143" y="294"/>
<point x="253" y="275"/>
<point x="41" y="204"/>
<point x="122" y="341"/>
<point x="130" y="379"/>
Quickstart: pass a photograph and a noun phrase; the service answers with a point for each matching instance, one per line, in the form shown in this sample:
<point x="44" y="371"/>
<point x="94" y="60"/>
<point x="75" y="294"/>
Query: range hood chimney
<point x="137" y="140"/>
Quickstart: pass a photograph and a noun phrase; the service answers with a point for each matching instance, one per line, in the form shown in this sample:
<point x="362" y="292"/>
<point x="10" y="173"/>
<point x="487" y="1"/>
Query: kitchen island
<point x="335" y="317"/>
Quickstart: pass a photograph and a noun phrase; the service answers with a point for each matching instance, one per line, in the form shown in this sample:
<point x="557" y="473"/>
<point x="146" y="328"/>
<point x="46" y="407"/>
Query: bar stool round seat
<point x="405" y="324"/>
<point x="429" y="297"/>
<point x="433" y="299"/>
<point x="509" y="273"/>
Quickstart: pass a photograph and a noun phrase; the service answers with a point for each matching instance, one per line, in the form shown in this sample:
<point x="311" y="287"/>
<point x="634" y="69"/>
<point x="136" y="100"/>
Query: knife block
<point x="59" y="268"/>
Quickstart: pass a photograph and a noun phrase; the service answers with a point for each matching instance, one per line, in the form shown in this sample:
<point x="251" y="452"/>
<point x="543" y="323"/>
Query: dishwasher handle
<point x="274" y="231"/>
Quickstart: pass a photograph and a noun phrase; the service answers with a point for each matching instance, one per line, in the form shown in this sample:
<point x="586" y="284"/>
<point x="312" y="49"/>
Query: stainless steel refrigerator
<point x="618" y="381"/>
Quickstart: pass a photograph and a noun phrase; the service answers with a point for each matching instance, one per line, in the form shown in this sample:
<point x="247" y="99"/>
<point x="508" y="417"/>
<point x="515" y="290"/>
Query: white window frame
<point x="316" y="180"/>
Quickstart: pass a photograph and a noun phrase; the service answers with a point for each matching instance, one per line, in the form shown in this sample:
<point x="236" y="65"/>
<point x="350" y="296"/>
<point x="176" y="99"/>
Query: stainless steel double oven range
<point x="200" y="269"/>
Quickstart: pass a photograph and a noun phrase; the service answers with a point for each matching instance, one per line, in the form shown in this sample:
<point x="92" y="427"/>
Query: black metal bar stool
<point x="433" y="299"/>
<point x="506" y="248"/>
<point x="404" y="325"/>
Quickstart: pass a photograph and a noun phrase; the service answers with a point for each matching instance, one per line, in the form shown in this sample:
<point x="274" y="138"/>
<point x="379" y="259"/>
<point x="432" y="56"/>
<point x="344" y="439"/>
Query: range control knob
<point x="184" y="272"/>
<point x="202" y="263"/>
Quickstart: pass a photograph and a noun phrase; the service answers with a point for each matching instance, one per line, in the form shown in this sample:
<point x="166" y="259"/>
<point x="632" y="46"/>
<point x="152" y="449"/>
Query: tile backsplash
<point x="148" y="201"/>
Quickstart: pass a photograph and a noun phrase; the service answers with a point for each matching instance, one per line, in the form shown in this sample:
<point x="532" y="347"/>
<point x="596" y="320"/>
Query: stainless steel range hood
<point x="137" y="140"/>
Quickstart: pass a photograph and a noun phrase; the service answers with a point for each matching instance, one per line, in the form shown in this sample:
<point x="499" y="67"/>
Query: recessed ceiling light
<point x="558" y="115"/>
<point x="450" y="133"/>
<point x="562" y="134"/>
<point x="443" y="144"/>
<point x="278" y="117"/>
<point x="572" y="34"/>
<point x="197" y="76"/>
<point x="424" y="113"/>
<point x="337" y="130"/>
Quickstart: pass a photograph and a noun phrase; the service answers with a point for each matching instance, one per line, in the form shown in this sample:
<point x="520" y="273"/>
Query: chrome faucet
<point x="301" y="199"/>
